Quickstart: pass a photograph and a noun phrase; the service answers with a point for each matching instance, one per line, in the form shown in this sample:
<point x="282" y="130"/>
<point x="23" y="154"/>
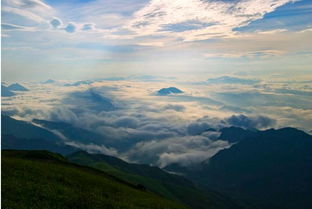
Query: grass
<point x="40" y="179"/>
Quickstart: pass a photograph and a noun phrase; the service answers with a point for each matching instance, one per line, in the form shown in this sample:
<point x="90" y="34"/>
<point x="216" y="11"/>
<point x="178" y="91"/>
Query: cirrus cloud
<point x="213" y="19"/>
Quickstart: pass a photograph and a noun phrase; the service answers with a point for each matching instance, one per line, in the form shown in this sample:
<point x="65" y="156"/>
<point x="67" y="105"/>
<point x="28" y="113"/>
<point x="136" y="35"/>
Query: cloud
<point x="91" y="99"/>
<point x="70" y="28"/>
<point x="92" y="148"/>
<point x="26" y="11"/>
<point x="270" y="44"/>
<point x="199" y="20"/>
<point x="88" y="26"/>
<point x="141" y="128"/>
<point x="29" y="3"/>
<point x="127" y="122"/>
<point x="175" y="107"/>
<point x="23" y="13"/>
<point x="6" y="26"/>
<point x="184" y="150"/>
<point x="265" y="97"/>
<point x="197" y="128"/>
<point x="231" y="80"/>
<point x="56" y="22"/>
<point x="253" y="122"/>
<point x="251" y="54"/>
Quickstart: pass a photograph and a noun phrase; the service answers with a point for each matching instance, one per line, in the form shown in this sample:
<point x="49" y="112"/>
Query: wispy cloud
<point x="10" y="27"/>
<point x="199" y="20"/>
<point x="33" y="10"/>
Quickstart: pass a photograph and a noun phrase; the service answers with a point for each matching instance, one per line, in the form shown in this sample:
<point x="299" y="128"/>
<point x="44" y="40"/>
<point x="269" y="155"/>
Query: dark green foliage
<point x="40" y="179"/>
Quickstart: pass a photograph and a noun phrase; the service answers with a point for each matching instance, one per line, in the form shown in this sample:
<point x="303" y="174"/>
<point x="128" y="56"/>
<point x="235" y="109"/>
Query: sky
<point x="80" y="39"/>
<point x="243" y="63"/>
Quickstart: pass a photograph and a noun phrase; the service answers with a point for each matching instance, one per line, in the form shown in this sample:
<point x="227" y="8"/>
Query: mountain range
<point x="22" y="135"/>
<point x="268" y="169"/>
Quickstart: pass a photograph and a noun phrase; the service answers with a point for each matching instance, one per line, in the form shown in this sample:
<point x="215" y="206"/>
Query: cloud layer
<point x="139" y="126"/>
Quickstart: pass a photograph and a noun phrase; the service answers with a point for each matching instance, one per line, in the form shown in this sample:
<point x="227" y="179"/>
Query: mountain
<point x="17" y="143"/>
<point x="168" y="91"/>
<point x="91" y="99"/>
<point x="171" y="186"/>
<point x="269" y="169"/>
<point x="5" y="92"/>
<point x="73" y="133"/>
<point x="17" y="87"/>
<point x="138" y="169"/>
<point x="231" y="134"/>
<point x="25" y="129"/>
<point x="78" y="83"/>
<point x="235" y="134"/>
<point x="49" y="81"/>
<point x="22" y="135"/>
<point x="40" y="179"/>
<point x="17" y="134"/>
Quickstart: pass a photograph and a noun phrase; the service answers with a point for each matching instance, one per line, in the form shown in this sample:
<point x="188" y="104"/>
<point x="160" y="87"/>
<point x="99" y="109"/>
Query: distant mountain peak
<point x="5" y="92"/>
<point x="169" y="90"/>
<point x="78" y="83"/>
<point x="17" y="87"/>
<point x="49" y="81"/>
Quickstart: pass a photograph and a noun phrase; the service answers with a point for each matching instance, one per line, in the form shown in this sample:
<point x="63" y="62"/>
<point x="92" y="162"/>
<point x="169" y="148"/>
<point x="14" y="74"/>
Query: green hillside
<point x="171" y="186"/>
<point x="40" y="179"/>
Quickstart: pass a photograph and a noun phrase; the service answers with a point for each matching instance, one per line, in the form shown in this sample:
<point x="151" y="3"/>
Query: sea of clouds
<point x="139" y="125"/>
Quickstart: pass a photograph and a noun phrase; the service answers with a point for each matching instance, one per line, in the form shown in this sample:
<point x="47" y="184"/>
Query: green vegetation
<point x="40" y="179"/>
<point x="171" y="186"/>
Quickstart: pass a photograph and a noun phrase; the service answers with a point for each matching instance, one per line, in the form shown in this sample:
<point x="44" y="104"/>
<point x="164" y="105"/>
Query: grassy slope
<point x="176" y="190"/>
<point x="39" y="179"/>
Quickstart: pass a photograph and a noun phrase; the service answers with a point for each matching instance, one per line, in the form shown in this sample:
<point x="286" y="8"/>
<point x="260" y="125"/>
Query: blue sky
<point x="78" y="39"/>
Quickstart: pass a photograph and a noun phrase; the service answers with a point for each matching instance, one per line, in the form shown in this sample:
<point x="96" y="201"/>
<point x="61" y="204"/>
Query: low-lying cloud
<point x="254" y="122"/>
<point x="139" y="126"/>
<point x="184" y="150"/>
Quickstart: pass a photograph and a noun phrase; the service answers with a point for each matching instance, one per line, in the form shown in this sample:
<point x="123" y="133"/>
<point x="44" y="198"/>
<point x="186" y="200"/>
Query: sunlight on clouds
<point x="223" y="17"/>
<point x="33" y="10"/>
<point x="88" y="39"/>
<point x="134" y="121"/>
